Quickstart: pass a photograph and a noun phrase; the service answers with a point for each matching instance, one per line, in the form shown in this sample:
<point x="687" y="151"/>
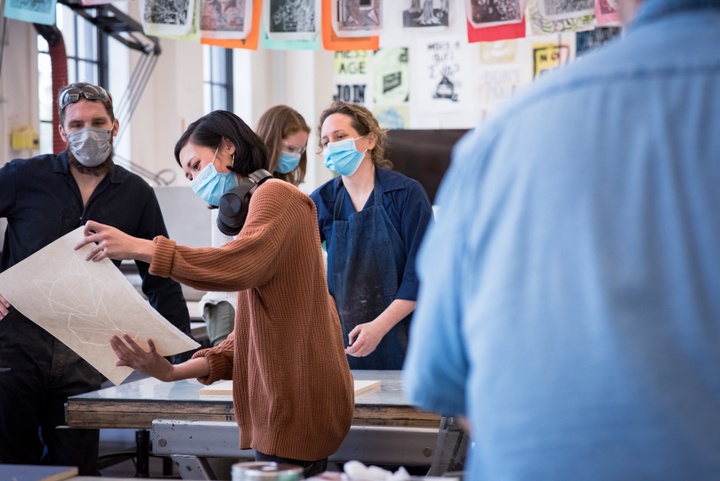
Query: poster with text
<point x="441" y="75"/>
<point x="549" y="56"/>
<point x="352" y="76"/>
<point x="500" y="73"/>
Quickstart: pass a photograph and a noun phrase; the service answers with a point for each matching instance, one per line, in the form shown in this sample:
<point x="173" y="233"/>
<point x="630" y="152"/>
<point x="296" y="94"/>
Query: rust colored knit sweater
<point x="292" y="387"/>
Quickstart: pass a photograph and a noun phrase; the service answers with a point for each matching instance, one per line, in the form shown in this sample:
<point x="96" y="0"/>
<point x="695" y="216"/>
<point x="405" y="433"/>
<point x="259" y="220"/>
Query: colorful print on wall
<point x="406" y="21"/>
<point x="494" y="20"/>
<point x="250" y="42"/>
<point x="229" y="19"/>
<point x="391" y="76"/>
<point x="592" y="39"/>
<point x="606" y="13"/>
<point x="332" y="41"/>
<point x="357" y="18"/>
<point x="33" y="11"/>
<point x="426" y="13"/>
<point x="169" y="18"/>
<point x="291" y="19"/>
<point x="391" y="86"/>
<point x="549" y="56"/>
<point x="491" y="13"/>
<point x="542" y="25"/>
<point x="562" y="9"/>
<point x="392" y="117"/>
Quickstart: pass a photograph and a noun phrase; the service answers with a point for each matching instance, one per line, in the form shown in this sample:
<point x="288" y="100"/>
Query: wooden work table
<point x="186" y="426"/>
<point x="137" y="404"/>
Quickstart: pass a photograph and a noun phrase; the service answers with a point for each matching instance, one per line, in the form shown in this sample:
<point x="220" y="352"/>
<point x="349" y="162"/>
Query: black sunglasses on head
<point x="91" y="92"/>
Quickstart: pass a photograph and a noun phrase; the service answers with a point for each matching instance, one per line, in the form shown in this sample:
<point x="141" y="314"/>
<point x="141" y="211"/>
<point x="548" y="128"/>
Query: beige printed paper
<point x="83" y="304"/>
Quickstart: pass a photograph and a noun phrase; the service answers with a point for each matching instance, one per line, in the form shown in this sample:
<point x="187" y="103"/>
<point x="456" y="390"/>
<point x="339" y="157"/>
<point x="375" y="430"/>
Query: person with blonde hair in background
<point x="285" y="134"/>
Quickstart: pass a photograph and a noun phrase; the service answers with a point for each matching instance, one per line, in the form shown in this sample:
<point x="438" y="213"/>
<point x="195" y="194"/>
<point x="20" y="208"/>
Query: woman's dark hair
<point x="364" y="123"/>
<point x="209" y="130"/>
<point x="275" y="125"/>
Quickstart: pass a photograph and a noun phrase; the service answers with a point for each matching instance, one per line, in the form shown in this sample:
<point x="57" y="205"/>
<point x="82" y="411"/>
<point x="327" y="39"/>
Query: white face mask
<point x="91" y="146"/>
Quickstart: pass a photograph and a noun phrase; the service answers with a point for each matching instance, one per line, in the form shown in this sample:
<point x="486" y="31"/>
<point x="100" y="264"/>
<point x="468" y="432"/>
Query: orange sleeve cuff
<point x="162" y="260"/>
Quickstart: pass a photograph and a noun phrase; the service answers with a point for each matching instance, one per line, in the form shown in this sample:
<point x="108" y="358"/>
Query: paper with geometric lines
<point x="84" y="303"/>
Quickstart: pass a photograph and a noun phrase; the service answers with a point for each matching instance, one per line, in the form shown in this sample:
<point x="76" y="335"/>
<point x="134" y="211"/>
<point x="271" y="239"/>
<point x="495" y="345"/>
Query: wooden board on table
<point x="362" y="387"/>
<point x="225" y="388"/>
<point x="20" y="472"/>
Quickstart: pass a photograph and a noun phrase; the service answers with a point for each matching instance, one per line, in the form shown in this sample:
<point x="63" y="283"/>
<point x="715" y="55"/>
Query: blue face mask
<point x="210" y="185"/>
<point x="288" y="162"/>
<point x="343" y="157"/>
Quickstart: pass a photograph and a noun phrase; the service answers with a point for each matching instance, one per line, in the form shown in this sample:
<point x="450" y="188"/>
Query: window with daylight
<point x="217" y="78"/>
<point x="87" y="53"/>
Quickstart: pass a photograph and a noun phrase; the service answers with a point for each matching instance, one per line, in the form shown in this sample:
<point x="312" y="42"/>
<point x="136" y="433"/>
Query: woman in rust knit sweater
<point x="292" y="387"/>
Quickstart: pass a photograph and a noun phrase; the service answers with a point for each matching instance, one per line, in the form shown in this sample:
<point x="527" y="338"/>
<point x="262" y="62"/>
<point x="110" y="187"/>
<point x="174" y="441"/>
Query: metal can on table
<point x="266" y="471"/>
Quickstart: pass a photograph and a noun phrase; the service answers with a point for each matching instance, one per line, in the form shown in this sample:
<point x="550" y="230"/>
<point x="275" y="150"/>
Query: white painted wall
<point x="18" y="86"/>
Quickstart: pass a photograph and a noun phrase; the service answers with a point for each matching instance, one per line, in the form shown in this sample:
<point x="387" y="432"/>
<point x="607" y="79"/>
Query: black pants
<point x="37" y="374"/>
<point x="310" y="468"/>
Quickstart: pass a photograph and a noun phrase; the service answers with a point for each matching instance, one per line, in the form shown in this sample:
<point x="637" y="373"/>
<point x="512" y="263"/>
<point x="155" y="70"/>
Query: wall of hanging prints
<point x="418" y="64"/>
<point x="345" y="24"/>
<point x="415" y="63"/>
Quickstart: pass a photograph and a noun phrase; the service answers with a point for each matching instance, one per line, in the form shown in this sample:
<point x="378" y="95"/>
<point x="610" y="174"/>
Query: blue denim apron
<point x="366" y="261"/>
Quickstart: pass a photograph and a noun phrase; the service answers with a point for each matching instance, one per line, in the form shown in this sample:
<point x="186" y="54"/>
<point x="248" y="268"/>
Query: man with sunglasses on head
<point x="44" y="198"/>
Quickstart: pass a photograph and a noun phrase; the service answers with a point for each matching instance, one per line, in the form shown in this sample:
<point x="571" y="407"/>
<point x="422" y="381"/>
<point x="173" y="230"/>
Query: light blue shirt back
<point x="569" y="297"/>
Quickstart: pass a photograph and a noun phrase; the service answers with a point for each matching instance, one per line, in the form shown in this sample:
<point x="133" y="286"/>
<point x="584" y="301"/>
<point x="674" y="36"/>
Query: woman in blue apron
<point x="372" y="220"/>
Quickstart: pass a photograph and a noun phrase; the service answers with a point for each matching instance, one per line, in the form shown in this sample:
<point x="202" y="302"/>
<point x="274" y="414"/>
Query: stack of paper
<point x="225" y="387"/>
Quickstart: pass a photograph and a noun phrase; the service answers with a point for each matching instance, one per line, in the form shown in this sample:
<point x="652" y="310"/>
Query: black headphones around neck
<point x="233" y="208"/>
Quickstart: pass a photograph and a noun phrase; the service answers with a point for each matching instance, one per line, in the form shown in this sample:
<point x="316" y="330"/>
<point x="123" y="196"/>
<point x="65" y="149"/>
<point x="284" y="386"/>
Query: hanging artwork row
<point x="441" y="82"/>
<point x="341" y="25"/>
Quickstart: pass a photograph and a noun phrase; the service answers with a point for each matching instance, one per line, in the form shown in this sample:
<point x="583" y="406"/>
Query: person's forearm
<point x="364" y="338"/>
<point x="194" y="368"/>
<point x="395" y="312"/>
<point x="144" y="250"/>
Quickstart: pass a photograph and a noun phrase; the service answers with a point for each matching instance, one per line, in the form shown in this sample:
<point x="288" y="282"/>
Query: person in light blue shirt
<point x="569" y="303"/>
